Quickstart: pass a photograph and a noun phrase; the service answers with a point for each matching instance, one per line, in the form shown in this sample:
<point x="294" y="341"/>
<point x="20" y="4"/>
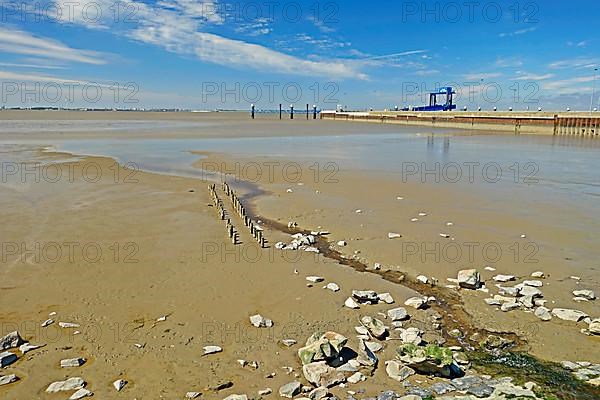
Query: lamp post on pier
<point x="593" y="91"/>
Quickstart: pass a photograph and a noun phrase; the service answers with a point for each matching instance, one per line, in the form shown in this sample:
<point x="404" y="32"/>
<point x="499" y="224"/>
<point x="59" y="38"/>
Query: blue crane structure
<point x="449" y="105"/>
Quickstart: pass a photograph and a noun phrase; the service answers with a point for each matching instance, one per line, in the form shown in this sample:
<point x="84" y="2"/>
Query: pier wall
<point x="517" y="123"/>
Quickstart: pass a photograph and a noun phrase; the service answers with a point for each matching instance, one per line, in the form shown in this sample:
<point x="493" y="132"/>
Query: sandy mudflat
<point x="134" y="247"/>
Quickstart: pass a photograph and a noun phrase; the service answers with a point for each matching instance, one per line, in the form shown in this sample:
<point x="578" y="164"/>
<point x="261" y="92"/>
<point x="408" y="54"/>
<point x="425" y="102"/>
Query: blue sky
<point x="206" y="54"/>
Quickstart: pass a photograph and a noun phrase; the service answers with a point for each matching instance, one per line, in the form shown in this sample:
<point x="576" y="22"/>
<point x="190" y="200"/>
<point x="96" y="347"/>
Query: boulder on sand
<point x="320" y="374"/>
<point x="469" y="279"/>
<point x="322" y="347"/>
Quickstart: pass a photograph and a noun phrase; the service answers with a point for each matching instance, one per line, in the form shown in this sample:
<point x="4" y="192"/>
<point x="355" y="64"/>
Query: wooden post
<point x="280" y="111"/>
<point x="252" y="111"/>
<point x="291" y="111"/>
<point x="307" y="112"/>
<point x="314" y="111"/>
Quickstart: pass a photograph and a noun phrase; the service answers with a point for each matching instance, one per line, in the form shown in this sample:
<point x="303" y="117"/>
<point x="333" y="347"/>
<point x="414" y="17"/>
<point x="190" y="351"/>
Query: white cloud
<point x="509" y="62"/>
<point x="523" y="76"/>
<point x="518" y="32"/>
<point x="178" y="26"/>
<point x="576" y="63"/>
<point x="19" y="42"/>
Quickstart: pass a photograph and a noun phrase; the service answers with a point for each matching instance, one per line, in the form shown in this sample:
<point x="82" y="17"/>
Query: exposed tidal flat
<point x="433" y="257"/>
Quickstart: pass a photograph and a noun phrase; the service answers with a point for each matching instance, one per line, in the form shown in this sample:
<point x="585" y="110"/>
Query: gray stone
<point x="365" y="356"/>
<point x="481" y="390"/>
<point x="322" y="346"/>
<point x="586" y="294"/>
<point x="469" y="279"/>
<point x="318" y="393"/>
<point x="464" y="383"/>
<point x="388" y="395"/>
<point x="419" y="392"/>
<point x="72" y="362"/>
<point x="533" y="283"/>
<point x="504" y="278"/>
<point x="416" y="302"/>
<point x="398" y="314"/>
<point x="7" y="358"/>
<point x="290" y="390"/>
<point x="530" y="291"/>
<point x="320" y="374"/>
<point x="334" y="287"/>
<point x="80" y="394"/>
<point x="386" y="298"/>
<point x="6" y="379"/>
<point x="366" y="296"/>
<point x="374" y="346"/>
<point x="509" y="306"/>
<point x="375" y="326"/>
<point x="11" y="341"/>
<point x="442" y="388"/>
<point x="543" y="313"/>
<point x="569" y="315"/>
<point x="508" y="291"/>
<point x="67" y="385"/>
<point x="397" y="371"/>
<point x="411" y="335"/>
<point x="527" y="301"/>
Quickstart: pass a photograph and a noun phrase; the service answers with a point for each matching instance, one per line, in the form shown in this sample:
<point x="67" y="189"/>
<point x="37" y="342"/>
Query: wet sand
<point x="184" y="267"/>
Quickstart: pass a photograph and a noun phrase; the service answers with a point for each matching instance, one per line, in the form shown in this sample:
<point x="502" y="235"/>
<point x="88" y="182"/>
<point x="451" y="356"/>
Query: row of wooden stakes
<point x="222" y="212"/>
<point x="255" y="231"/>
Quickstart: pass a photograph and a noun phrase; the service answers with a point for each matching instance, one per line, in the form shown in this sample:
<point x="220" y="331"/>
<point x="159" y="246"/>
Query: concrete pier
<point x="545" y="123"/>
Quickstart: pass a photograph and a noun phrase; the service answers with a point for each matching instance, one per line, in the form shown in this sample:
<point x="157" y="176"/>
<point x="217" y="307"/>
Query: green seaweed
<point x="554" y="381"/>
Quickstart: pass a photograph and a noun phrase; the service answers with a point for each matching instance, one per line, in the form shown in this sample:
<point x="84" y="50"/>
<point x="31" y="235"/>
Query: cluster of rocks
<point x="75" y="385"/>
<point x="527" y="296"/>
<point x="300" y="241"/>
<point x="367" y="297"/>
<point x="585" y="371"/>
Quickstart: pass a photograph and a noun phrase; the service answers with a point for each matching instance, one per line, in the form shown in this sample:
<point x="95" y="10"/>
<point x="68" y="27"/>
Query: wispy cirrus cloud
<point x="576" y="63"/>
<point x="16" y="41"/>
<point x="180" y="27"/>
<point x="483" y="75"/>
<point x="518" y="32"/>
<point x="524" y="76"/>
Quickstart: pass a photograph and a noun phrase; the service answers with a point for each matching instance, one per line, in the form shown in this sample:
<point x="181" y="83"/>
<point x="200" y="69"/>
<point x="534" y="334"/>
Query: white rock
<point x="411" y="336"/>
<point x="416" y="302"/>
<point x="280" y="245"/>
<point x="569" y="315"/>
<point x="393" y="235"/>
<point x="530" y="291"/>
<point x="533" y="283"/>
<point x="119" y="384"/>
<point x="397" y="371"/>
<point x="594" y="327"/>
<point x="11" y="341"/>
<point x="586" y="294"/>
<point x="315" y="279"/>
<point x="422" y="214"/>
<point x="212" y="350"/>
<point x="290" y="191"/>
<point x="72" y="362"/>
<point x="47" y="323"/>
<point x="26" y="347"/>
<point x="423" y="279"/>
<point x="350" y="303"/>
<point x="356" y="377"/>
<point x="333" y="287"/>
<point x="492" y="302"/>
<point x="508" y="291"/>
<point x="342" y="243"/>
<point x="374" y="346"/>
<point x="288" y="342"/>
<point x="398" y="314"/>
<point x="67" y="385"/>
<point x="265" y="392"/>
<point x="68" y="325"/>
<point x="543" y="313"/>
<point x="469" y="279"/>
<point x="445" y="235"/>
<point x="261" y="322"/>
<point x="80" y="394"/>
<point x="236" y="397"/>
<point x="6" y="379"/>
<point x="192" y="395"/>
<point x="290" y="390"/>
<point x="161" y="319"/>
<point x="537" y="274"/>
<point x="366" y="296"/>
<point x="386" y="298"/>
<point x="414" y="220"/>
<point x="491" y="269"/>
<point x="509" y="306"/>
<point x="504" y="278"/>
